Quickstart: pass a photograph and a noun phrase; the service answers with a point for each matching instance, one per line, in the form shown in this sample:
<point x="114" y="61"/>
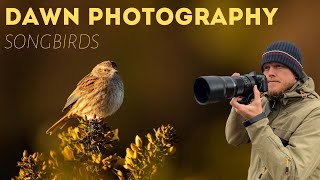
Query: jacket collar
<point x="302" y="89"/>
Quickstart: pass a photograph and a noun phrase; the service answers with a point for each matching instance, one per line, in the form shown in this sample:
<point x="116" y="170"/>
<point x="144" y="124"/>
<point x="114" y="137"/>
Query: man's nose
<point x="271" y="72"/>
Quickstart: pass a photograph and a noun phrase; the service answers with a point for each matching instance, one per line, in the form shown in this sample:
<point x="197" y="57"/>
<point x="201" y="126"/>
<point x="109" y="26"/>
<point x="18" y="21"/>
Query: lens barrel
<point x="212" y="89"/>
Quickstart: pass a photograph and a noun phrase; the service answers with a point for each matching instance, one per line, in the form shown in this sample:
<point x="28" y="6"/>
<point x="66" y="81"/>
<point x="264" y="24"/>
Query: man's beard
<point x="284" y="87"/>
<point x="275" y="93"/>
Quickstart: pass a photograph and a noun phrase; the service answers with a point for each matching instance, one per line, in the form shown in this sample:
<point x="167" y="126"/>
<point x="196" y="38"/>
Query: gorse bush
<point x="87" y="152"/>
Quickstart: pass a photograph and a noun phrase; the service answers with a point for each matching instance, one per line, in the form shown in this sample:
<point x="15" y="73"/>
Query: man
<point x="283" y="125"/>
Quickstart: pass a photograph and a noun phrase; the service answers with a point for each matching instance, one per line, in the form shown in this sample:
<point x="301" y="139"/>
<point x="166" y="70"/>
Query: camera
<point x="212" y="89"/>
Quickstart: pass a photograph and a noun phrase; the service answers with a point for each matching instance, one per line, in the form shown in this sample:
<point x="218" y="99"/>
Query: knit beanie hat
<point x="285" y="53"/>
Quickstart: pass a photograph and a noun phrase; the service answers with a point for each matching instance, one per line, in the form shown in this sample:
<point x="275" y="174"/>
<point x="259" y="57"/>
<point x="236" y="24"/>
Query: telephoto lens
<point x="212" y="89"/>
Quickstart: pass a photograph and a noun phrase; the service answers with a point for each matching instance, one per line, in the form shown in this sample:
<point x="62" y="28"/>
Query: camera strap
<point x="267" y="110"/>
<point x="258" y="117"/>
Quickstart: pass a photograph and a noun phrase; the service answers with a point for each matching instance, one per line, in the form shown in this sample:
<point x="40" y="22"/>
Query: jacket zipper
<point x="264" y="170"/>
<point x="287" y="166"/>
<point x="274" y="109"/>
<point x="273" y="104"/>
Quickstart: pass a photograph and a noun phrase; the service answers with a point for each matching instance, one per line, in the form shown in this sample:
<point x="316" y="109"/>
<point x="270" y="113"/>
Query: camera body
<point x="212" y="89"/>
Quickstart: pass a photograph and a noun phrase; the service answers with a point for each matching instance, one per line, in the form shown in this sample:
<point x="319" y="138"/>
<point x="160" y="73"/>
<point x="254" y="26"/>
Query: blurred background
<point x="158" y="65"/>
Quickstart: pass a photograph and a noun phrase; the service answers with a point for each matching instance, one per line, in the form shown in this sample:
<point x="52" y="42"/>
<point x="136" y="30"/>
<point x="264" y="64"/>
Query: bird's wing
<point x="84" y="86"/>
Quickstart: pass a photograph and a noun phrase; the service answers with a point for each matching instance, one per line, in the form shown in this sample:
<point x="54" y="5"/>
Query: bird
<point x="98" y="95"/>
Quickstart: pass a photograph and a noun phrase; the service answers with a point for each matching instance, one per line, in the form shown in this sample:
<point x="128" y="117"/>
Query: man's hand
<point x="235" y="74"/>
<point x="251" y="110"/>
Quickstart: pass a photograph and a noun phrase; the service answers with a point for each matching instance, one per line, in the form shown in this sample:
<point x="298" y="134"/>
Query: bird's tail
<point x="59" y="124"/>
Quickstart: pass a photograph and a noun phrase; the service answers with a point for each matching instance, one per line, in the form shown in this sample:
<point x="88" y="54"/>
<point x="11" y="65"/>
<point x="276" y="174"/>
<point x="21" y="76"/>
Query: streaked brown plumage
<point x="98" y="95"/>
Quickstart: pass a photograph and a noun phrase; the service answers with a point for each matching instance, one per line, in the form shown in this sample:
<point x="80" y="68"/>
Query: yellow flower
<point x="120" y="175"/>
<point x="68" y="154"/>
<point x="128" y="166"/>
<point x="138" y="142"/>
<point x="79" y="148"/>
<point x="115" y="135"/>
<point x="135" y="155"/>
<point x="163" y="142"/>
<point x="134" y="147"/>
<point x="74" y="133"/>
<point x="150" y="153"/>
<point x="96" y="158"/>
<point x="149" y="146"/>
<point x="51" y="163"/>
<point x="53" y="155"/>
<point x="149" y="137"/>
<point x="25" y="153"/>
<point x="22" y="173"/>
<point x="158" y="133"/>
<point x="129" y="161"/>
<point x="172" y="150"/>
<point x="129" y="152"/>
<point x="35" y="155"/>
<point x="44" y="167"/>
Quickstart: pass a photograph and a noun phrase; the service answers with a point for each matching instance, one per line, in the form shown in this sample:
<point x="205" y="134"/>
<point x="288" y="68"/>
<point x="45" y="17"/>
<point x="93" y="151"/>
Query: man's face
<point x="280" y="78"/>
